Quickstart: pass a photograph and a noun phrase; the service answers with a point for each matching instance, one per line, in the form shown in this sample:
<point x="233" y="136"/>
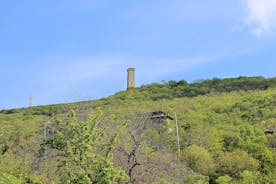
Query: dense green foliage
<point x="222" y="124"/>
<point x="83" y="153"/>
<point x="176" y="89"/>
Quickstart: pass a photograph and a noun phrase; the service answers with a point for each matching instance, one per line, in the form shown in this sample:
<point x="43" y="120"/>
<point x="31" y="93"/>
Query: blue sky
<point x="67" y="50"/>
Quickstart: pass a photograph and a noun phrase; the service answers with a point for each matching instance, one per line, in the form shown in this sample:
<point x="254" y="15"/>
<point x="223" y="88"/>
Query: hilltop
<point x="222" y="124"/>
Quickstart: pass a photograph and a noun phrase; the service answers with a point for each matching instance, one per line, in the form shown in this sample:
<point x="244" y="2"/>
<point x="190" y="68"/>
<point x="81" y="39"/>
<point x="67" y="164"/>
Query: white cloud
<point x="78" y="78"/>
<point x="95" y="68"/>
<point x="59" y="80"/>
<point x="261" y="16"/>
<point x="101" y="71"/>
<point x="156" y="69"/>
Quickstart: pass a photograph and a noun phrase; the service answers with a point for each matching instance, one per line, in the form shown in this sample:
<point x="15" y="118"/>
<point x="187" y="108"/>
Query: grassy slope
<point x="208" y="121"/>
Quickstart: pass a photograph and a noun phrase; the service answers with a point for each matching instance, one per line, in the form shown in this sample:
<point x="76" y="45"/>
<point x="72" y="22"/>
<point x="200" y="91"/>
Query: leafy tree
<point x="233" y="163"/>
<point x="196" y="178"/>
<point x="199" y="159"/>
<point x="84" y="154"/>
<point x="9" y="179"/>
<point x="19" y="176"/>
<point x="249" y="177"/>
<point x="226" y="179"/>
<point x="142" y="152"/>
<point x="206" y="137"/>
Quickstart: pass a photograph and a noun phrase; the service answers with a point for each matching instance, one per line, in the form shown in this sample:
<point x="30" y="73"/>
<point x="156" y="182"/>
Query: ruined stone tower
<point x="130" y="77"/>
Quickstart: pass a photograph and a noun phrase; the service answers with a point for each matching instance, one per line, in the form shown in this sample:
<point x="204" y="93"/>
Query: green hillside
<point x="221" y="122"/>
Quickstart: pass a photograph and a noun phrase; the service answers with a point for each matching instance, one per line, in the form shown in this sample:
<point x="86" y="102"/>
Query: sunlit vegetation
<point x="222" y="125"/>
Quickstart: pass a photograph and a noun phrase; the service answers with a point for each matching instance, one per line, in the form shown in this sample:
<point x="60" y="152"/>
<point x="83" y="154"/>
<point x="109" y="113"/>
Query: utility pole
<point x="31" y="101"/>
<point x="177" y="134"/>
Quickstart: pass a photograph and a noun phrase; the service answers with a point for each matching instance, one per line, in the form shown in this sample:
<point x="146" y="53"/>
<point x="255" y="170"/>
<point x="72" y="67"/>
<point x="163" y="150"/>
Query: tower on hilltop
<point x="130" y="77"/>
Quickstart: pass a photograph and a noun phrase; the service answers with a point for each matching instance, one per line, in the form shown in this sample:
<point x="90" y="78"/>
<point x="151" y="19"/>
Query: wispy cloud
<point x="156" y="69"/>
<point x="261" y="16"/>
<point x="149" y="68"/>
<point x="109" y="73"/>
<point x="102" y="68"/>
<point x="61" y="79"/>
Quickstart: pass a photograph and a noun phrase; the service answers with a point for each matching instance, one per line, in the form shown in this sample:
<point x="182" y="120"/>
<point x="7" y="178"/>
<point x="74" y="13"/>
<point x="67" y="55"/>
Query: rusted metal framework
<point x="156" y="115"/>
<point x="270" y="131"/>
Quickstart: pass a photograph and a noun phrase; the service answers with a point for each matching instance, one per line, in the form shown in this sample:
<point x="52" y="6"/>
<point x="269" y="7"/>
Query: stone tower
<point x="130" y="77"/>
